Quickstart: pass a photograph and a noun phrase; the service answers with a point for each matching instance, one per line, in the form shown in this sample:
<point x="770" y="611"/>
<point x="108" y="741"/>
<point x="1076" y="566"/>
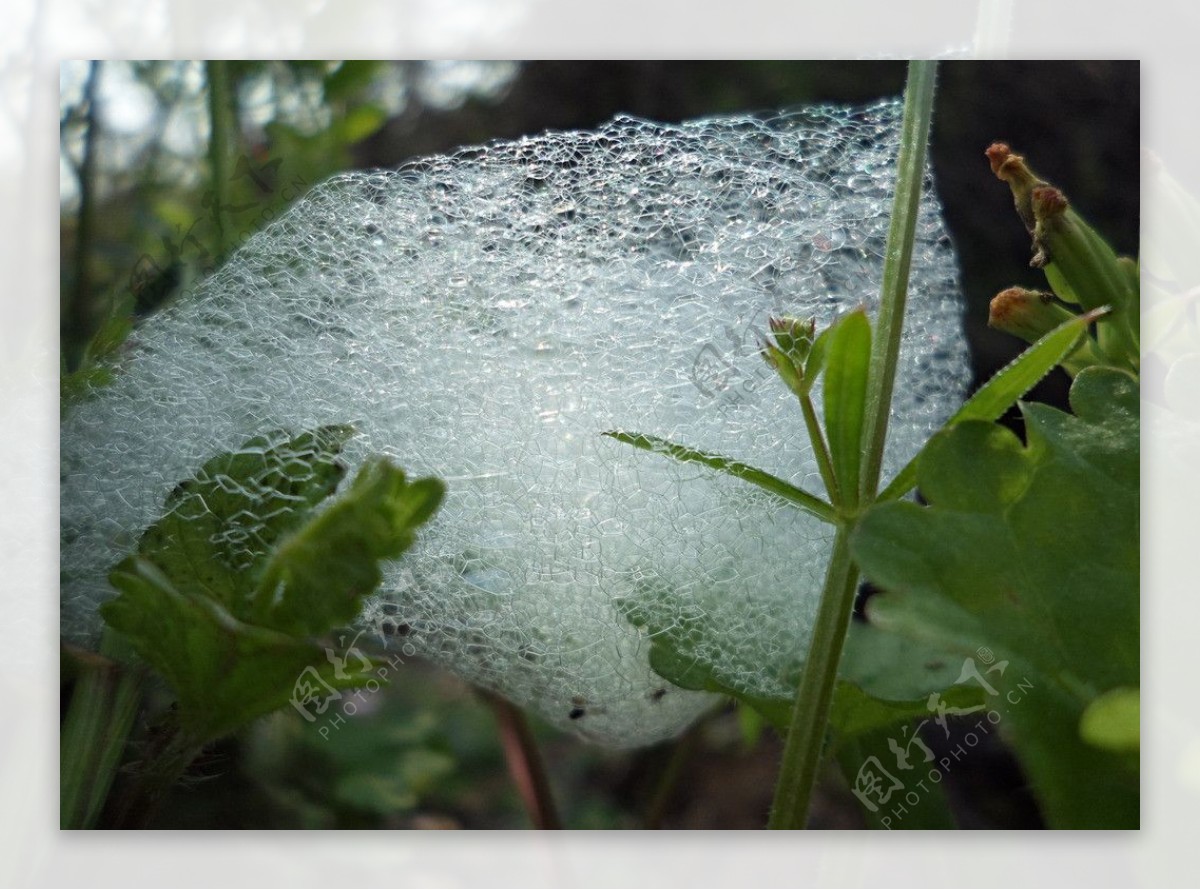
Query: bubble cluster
<point x="483" y="317"/>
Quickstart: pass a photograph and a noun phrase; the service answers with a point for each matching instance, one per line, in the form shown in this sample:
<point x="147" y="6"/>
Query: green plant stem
<point x="803" y="751"/>
<point x="99" y="718"/>
<point x="218" y="148"/>
<point x="804" y="748"/>
<point x="820" y="448"/>
<point x="885" y="347"/>
<point x="524" y="762"/>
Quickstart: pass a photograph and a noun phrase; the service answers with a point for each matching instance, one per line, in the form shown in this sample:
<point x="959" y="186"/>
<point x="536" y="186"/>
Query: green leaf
<point x="380" y="763"/>
<point x="1059" y="284"/>
<point x="855" y="713"/>
<point x="886" y="680"/>
<point x="359" y="123"/>
<point x="350" y="78"/>
<point x="1113" y="721"/>
<point x="877" y="689"/>
<point x="847" y="364"/>
<point x="815" y="365"/>
<point x="388" y="787"/>
<point x="219" y="527"/>
<point x="894" y="668"/>
<point x="678" y="654"/>
<point x="317" y="578"/>
<point x="916" y="805"/>
<point x="798" y="496"/>
<point x="95" y="370"/>
<point x="1001" y="392"/>
<point x="1031" y="551"/>
<point x="227" y="591"/>
<point x="223" y="671"/>
<point x="751" y="724"/>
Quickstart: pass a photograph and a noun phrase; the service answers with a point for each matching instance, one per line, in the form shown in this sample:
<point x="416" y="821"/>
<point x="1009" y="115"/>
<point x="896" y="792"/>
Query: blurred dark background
<point x="144" y="217"/>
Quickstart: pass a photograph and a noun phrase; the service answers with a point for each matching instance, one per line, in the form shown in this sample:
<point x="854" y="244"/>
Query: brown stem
<point x="524" y="762"/>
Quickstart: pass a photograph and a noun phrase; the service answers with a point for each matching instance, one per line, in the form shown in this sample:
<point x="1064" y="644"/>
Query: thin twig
<point x="524" y="762"/>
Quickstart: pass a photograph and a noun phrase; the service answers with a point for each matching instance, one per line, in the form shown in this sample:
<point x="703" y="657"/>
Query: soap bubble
<point x="483" y="317"/>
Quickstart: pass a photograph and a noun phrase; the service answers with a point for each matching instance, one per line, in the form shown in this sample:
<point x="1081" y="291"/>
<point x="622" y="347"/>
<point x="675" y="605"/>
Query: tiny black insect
<point x="657" y="694"/>
<point x="576" y="713"/>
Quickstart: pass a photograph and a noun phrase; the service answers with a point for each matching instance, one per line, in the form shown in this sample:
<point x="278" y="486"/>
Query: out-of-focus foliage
<point x="149" y="193"/>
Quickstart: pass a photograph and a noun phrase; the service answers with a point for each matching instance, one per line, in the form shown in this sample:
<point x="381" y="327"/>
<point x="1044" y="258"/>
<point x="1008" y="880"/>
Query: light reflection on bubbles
<point x="494" y="352"/>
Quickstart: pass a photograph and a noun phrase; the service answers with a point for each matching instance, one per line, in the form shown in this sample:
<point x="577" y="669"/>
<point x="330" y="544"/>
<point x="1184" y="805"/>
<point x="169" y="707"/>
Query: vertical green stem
<point x="219" y="108"/>
<point x="820" y="449"/>
<point x="99" y="719"/>
<point x="885" y="346"/>
<point x="803" y="750"/>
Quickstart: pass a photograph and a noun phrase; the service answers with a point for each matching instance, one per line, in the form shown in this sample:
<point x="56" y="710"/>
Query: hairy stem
<point x="885" y="345"/>
<point x="802" y="753"/>
<point x="820" y="449"/>
<point x="668" y="782"/>
<point x="804" y="748"/>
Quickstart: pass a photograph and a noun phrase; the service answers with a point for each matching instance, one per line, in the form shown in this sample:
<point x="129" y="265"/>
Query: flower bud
<point x="1012" y="169"/>
<point x="1089" y="266"/>
<point x="1079" y="265"/>
<point x="794" y="337"/>
<point x="1028" y="314"/>
<point x="789" y="351"/>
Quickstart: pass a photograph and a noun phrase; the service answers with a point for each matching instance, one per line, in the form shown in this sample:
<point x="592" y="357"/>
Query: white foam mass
<point x="483" y="317"/>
